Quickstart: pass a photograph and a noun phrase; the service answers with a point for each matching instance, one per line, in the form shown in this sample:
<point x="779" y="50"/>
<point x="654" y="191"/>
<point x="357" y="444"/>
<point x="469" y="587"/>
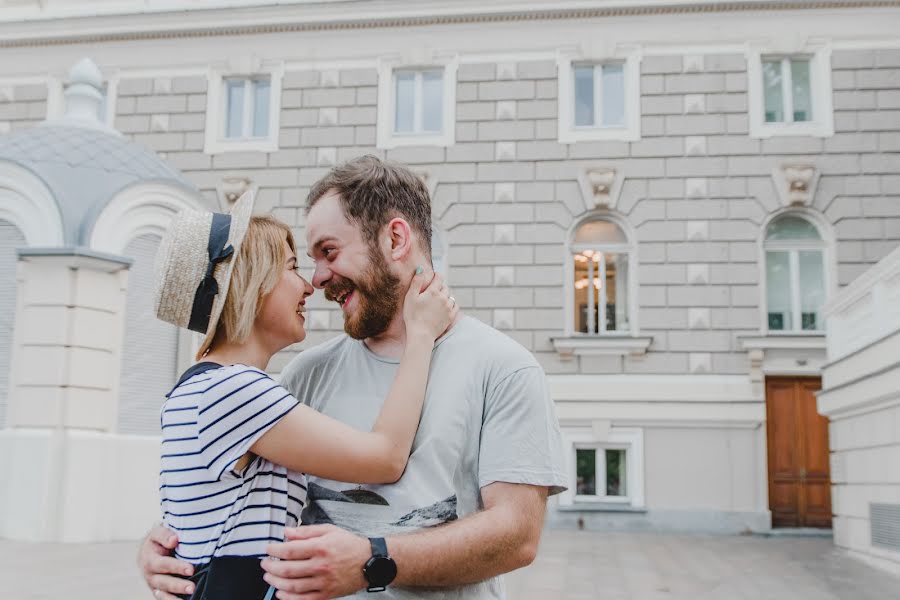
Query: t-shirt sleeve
<point x="233" y="413"/>
<point x="520" y="439"/>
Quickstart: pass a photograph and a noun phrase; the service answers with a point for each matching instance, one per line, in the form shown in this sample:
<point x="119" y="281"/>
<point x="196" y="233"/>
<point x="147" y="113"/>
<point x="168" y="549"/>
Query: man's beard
<point x="377" y="297"/>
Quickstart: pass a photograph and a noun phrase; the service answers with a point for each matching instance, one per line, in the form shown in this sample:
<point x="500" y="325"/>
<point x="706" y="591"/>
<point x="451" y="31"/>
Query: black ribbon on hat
<point x="209" y="287"/>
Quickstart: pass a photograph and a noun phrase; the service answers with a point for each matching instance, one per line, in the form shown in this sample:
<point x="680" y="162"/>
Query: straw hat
<point x="194" y="266"/>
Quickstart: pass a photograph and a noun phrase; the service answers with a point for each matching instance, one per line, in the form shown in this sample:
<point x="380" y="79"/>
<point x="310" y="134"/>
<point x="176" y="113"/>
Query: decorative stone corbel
<point x="229" y="189"/>
<point x="601" y="187"/>
<point x="796" y="184"/>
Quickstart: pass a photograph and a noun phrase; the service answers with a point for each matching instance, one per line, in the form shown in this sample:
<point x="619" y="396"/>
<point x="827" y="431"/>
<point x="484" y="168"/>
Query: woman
<point x="236" y="445"/>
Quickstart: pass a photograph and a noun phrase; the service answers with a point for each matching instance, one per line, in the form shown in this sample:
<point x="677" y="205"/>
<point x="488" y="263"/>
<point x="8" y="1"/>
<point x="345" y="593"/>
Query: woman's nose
<point x="307" y="288"/>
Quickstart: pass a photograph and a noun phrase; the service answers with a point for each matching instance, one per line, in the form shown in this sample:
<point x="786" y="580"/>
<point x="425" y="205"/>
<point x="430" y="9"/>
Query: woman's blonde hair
<point x="256" y="273"/>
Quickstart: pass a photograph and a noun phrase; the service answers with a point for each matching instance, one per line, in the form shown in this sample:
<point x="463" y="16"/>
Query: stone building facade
<point x="716" y="171"/>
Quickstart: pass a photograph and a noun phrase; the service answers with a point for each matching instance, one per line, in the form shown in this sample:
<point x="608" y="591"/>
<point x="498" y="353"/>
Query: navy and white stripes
<point x="208" y="423"/>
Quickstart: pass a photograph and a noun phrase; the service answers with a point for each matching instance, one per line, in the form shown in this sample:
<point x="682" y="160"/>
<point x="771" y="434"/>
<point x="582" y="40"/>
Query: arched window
<point x="601" y="257"/>
<point x="795" y="275"/>
<point x="10" y="239"/>
<point x="438" y="252"/>
<point x="149" y="357"/>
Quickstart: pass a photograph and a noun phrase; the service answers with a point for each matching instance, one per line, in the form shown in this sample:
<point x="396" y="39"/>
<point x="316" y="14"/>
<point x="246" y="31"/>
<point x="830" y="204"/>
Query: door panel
<point x="799" y="477"/>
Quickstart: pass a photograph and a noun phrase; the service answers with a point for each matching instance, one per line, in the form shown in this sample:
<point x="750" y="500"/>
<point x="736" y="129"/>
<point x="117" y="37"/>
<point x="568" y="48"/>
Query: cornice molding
<point x="287" y="19"/>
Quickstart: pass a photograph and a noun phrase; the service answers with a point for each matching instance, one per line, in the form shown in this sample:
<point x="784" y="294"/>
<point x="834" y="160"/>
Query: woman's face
<point x="281" y="316"/>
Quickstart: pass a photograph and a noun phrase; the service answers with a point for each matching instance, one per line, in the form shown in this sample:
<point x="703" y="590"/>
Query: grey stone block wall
<point x="22" y="106"/>
<point x="697" y="188"/>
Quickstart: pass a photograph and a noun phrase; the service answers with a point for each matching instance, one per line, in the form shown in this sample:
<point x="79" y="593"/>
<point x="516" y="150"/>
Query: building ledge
<point x="789" y="341"/>
<point x="610" y="507"/>
<point x="585" y="345"/>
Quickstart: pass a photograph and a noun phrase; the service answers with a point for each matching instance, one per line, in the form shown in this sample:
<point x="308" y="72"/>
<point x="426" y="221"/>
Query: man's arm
<point x="163" y="574"/>
<point x="326" y="562"/>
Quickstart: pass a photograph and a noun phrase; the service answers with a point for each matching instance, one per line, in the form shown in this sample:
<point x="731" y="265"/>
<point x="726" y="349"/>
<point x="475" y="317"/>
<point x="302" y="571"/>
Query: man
<point x="471" y="502"/>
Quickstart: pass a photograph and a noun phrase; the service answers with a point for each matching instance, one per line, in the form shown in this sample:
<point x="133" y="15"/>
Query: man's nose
<point x="321" y="275"/>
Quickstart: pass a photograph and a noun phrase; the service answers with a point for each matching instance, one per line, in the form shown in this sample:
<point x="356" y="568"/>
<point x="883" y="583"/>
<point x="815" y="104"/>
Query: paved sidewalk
<point x="570" y="566"/>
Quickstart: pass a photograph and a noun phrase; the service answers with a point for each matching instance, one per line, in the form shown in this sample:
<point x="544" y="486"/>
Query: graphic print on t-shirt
<point x="367" y="513"/>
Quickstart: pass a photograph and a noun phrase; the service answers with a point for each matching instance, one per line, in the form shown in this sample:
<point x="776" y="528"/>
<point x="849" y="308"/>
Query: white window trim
<point x="629" y="439"/>
<point x="822" y="124"/>
<point x="216" y="142"/>
<point x="826" y="245"/>
<point x="387" y="138"/>
<point x="631" y="248"/>
<point x="56" y="99"/>
<point x="568" y="133"/>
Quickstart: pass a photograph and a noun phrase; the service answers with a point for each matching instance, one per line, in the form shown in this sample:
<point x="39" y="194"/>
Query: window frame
<point x="600" y="472"/>
<point x="217" y="114"/>
<point x="630" y="249"/>
<point x="418" y="102"/>
<point x="820" y="90"/>
<point x="386" y="135"/>
<point x="597" y="83"/>
<point x="599" y="435"/>
<point x="825" y="245"/>
<point x="785" y="63"/>
<point x="249" y="107"/>
<point x="568" y="131"/>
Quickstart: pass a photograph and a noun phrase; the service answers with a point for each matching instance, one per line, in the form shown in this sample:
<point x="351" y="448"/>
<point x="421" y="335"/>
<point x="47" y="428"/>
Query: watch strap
<point x="379" y="546"/>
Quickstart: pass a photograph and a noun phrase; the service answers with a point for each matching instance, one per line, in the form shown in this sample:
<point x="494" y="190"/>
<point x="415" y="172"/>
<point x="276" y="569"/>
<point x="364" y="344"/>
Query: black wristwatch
<point x="381" y="569"/>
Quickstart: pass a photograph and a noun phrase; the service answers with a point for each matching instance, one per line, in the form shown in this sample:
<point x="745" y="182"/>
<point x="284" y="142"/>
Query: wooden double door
<point x="799" y="473"/>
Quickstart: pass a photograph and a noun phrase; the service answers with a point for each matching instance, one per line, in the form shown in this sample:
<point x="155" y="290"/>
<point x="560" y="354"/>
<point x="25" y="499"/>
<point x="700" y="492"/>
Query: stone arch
<point x="27" y="203"/>
<point x="133" y="224"/>
<point x="141" y="209"/>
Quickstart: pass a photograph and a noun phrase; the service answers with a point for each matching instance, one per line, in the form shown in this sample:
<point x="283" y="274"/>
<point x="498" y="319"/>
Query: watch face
<point x="380" y="570"/>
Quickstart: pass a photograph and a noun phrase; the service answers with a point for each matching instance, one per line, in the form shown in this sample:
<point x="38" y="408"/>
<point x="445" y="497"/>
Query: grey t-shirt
<point x="487" y="417"/>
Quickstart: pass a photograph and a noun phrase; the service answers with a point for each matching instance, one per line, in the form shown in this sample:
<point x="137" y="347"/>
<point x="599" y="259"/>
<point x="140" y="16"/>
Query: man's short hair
<point x="373" y="191"/>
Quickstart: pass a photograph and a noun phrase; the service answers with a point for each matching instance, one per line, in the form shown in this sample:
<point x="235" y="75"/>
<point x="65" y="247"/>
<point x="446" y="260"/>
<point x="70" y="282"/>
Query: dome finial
<point x="84" y="95"/>
<point x="87" y="72"/>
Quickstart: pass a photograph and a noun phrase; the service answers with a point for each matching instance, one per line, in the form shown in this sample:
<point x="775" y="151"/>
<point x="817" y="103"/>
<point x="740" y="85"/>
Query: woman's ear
<point x="401" y="238"/>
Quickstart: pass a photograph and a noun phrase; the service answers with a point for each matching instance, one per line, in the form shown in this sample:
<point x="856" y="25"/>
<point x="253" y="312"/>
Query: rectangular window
<point x="599" y="95"/>
<point x="600" y="473"/>
<point x="787" y="90"/>
<point x="418" y="102"/>
<point x="247" y="108"/>
<point x="601" y="291"/>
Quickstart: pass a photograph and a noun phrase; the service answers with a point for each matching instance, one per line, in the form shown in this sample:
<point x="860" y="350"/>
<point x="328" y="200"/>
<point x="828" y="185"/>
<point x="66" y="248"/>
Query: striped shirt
<point x="209" y="422"/>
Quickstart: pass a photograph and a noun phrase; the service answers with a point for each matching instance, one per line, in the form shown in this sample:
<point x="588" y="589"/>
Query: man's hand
<point x="317" y="562"/>
<point x="159" y="568"/>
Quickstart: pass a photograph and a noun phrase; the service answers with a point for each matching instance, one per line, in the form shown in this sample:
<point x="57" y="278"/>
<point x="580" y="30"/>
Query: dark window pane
<point x="773" y="92"/>
<point x="586" y="472"/>
<point x="261" y="108"/>
<point x="234" y="108"/>
<point x="584" y="96"/>
<point x="615" y="473"/>
<point x="433" y="101"/>
<point x="614" y="95"/>
<point x="800" y="82"/>
<point x="404" y="100"/>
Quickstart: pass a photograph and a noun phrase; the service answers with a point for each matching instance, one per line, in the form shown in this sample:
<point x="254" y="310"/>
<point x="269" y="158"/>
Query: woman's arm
<point x="307" y="441"/>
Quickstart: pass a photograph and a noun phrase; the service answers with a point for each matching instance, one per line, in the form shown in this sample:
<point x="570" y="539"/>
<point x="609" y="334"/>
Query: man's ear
<point x="400" y="234"/>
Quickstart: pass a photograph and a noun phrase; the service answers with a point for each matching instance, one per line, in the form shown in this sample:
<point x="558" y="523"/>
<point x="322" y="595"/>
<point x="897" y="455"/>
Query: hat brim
<point x="240" y="221"/>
